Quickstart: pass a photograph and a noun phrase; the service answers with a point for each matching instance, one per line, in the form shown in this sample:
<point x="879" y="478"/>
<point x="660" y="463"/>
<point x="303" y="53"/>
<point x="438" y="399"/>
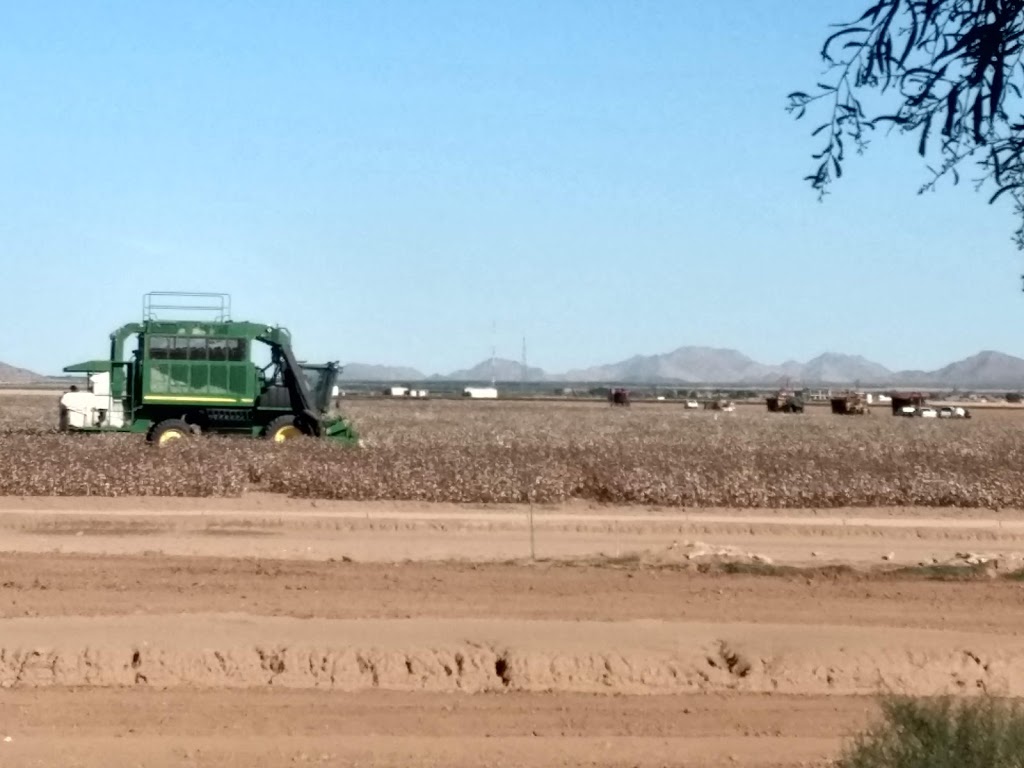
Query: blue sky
<point x="393" y="179"/>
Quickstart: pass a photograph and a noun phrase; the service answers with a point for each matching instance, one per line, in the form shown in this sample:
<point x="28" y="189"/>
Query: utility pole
<point x="494" y="331"/>
<point x="523" y="370"/>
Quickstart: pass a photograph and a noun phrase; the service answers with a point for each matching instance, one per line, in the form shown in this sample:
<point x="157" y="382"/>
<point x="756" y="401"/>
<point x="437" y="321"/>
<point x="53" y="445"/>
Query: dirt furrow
<point x="69" y="585"/>
<point x="475" y="656"/>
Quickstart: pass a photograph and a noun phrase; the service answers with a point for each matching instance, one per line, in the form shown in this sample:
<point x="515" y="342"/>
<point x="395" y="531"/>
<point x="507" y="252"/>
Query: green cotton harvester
<point x="193" y="376"/>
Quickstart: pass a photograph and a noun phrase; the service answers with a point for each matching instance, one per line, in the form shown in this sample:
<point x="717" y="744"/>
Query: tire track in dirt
<point x="91" y="585"/>
<point x="280" y="726"/>
<point x="388" y="533"/>
<point x="421" y="751"/>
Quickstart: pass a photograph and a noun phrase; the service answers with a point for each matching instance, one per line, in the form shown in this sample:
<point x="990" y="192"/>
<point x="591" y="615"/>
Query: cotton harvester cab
<point x="188" y="376"/>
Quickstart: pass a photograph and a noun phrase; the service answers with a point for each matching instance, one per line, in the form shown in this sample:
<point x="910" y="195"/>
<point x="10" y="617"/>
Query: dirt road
<point x="284" y="727"/>
<point x="271" y="632"/>
<point x="267" y="526"/>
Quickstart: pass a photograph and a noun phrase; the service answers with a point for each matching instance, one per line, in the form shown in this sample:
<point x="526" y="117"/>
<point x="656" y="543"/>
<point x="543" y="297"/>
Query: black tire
<point x="285" y="428"/>
<point x="169" y="429"/>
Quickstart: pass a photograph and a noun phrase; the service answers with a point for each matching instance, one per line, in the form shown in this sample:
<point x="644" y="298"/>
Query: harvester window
<point x="159" y="347"/>
<point x="236" y="350"/>
<point x="218" y="350"/>
<point x="186" y="348"/>
<point x="168" y="348"/>
<point x="225" y="350"/>
<point x="197" y="349"/>
<point x="178" y="348"/>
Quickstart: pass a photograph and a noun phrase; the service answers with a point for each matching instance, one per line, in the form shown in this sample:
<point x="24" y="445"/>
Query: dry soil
<point x="265" y="631"/>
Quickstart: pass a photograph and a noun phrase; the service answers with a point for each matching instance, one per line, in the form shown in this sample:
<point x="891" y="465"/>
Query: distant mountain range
<point x="707" y="365"/>
<point x="698" y="366"/>
<point x="11" y="375"/>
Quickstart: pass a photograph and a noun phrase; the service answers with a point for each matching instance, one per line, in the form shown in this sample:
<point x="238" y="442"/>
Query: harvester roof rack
<point x="218" y="305"/>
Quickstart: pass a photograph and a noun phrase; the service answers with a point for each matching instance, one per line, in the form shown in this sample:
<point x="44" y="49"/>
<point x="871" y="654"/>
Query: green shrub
<point x="980" y="732"/>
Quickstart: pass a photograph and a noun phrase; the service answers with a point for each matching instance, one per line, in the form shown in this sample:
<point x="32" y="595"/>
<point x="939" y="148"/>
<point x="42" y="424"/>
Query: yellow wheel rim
<point x="286" y="433"/>
<point x="170" y="434"/>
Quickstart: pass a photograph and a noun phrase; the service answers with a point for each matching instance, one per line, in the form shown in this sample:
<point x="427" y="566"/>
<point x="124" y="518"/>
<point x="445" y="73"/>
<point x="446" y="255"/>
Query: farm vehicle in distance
<point x="851" y="404"/>
<point x="618" y="396"/>
<point x="931" y="412"/>
<point x="915" y="404"/>
<point x="720" y="404"/>
<point x="785" y="401"/>
<point x="189" y="376"/>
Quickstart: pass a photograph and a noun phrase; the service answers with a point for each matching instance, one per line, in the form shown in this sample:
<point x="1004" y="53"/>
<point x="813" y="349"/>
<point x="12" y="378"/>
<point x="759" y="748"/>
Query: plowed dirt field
<point x="268" y="631"/>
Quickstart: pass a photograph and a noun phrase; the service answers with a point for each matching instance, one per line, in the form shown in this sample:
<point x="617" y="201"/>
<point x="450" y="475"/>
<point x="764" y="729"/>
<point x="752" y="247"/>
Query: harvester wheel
<point x="283" y="429"/>
<point x="168" y="430"/>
